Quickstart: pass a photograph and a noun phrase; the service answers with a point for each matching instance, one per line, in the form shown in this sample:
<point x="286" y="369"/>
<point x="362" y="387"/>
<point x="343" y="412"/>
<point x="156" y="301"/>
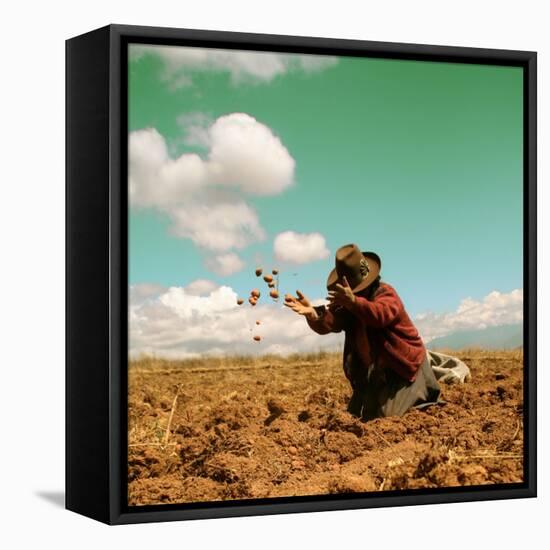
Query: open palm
<point x="300" y="305"/>
<point x="302" y="299"/>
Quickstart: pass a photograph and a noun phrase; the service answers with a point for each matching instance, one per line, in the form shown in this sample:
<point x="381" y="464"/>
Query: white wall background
<point x="32" y="271"/>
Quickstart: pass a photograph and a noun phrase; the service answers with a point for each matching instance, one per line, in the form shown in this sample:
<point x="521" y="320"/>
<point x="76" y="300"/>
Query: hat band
<point x="364" y="268"/>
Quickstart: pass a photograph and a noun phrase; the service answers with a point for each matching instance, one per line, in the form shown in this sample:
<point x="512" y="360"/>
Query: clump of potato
<point x="255" y="293"/>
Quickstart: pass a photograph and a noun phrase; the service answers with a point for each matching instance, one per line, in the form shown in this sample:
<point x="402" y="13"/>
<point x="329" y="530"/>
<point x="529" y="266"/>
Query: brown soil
<point x="270" y="427"/>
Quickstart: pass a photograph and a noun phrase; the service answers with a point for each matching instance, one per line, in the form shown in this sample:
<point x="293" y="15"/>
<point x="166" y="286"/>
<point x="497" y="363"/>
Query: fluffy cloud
<point x="216" y="226"/>
<point x="179" y="324"/>
<point x="155" y="179"/>
<point x="244" y="155"/>
<point x="200" y="287"/>
<point x="300" y="248"/>
<point x="242" y="66"/>
<point x="203" y="197"/>
<point x="188" y="306"/>
<point x="195" y="128"/>
<point x="495" y="309"/>
<point x="225" y="264"/>
<point x="145" y="291"/>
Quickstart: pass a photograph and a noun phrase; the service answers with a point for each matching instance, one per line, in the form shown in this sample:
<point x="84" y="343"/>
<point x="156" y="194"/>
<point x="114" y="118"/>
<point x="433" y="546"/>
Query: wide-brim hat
<point x="360" y="268"/>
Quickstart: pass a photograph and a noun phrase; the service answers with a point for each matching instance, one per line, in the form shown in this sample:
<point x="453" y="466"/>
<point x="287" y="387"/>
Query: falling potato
<point x="271" y="285"/>
<point x="268" y="278"/>
<point x="258" y="271"/>
<point x="257" y="322"/>
<point x="255" y="293"/>
<point x="257" y="338"/>
<point x="274" y="294"/>
<point x="275" y="271"/>
<point x="240" y="301"/>
<point x="252" y="301"/>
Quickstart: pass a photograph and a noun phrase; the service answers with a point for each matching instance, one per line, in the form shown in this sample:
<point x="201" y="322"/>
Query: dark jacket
<point x="378" y="330"/>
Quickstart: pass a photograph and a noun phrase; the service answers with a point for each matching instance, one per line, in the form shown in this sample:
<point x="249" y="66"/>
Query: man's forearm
<point x="324" y="321"/>
<point x="312" y="315"/>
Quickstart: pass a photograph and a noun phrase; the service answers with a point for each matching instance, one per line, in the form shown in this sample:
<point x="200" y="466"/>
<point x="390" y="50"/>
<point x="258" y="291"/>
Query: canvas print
<point x="325" y="259"/>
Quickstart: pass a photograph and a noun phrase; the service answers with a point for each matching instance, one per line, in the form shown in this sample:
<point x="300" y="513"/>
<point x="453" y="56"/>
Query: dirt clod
<point x="275" y="406"/>
<point x="275" y="427"/>
<point x="351" y="484"/>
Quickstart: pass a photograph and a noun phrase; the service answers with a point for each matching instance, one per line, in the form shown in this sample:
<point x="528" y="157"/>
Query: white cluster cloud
<point x="225" y="264"/>
<point x="187" y="306"/>
<point x="244" y="155"/>
<point x="495" y="309"/>
<point x="199" y="287"/>
<point x="179" y="324"/>
<point x="203" y="197"/>
<point x="216" y="226"/>
<point x="242" y="66"/>
<point x="203" y="319"/>
<point x="145" y="291"/>
<point x="195" y="128"/>
<point x="155" y="179"/>
<point x="300" y="248"/>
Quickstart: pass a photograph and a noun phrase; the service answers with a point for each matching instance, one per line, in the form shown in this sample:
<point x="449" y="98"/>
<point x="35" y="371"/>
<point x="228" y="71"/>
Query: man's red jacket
<point x="378" y="330"/>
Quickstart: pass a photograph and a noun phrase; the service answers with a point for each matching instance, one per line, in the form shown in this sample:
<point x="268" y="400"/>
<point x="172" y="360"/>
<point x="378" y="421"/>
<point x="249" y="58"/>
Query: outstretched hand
<point x="302" y="299"/>
<point x="301" y="305"/>
<point x="342" y="295"/>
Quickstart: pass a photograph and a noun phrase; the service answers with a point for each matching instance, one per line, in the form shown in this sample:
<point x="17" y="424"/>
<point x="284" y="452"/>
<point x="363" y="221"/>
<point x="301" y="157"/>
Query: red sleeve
<point x="381" y="311"/>
<point x="327" y="321"/>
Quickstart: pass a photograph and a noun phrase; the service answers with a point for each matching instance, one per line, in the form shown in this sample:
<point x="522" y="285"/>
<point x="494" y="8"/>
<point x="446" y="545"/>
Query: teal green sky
<point x="418" y="161"/>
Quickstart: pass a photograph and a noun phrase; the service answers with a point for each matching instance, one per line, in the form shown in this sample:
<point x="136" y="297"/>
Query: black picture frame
<point x="96" y="272"/>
